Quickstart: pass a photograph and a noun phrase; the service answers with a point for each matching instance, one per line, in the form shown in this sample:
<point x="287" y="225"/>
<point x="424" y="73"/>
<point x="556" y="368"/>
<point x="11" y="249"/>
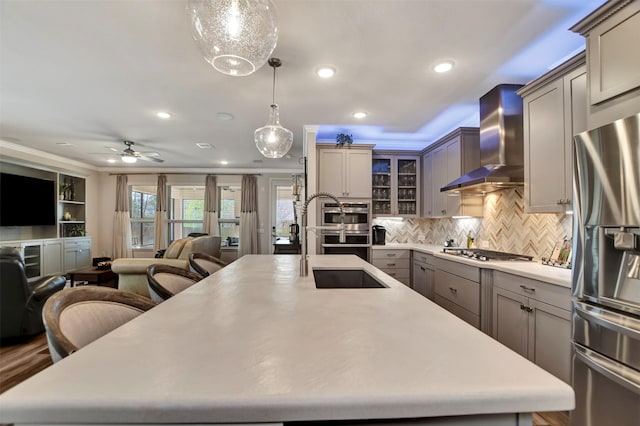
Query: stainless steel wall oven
<point x="606" y="275"/>
<point x="356" y="225"/>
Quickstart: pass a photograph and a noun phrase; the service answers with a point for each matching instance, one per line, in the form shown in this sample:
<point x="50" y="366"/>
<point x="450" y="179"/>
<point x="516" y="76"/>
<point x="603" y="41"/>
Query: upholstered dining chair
<point x="166" y="281"/>
<point x="204" y="264"/>
<point x="75" y="317"/>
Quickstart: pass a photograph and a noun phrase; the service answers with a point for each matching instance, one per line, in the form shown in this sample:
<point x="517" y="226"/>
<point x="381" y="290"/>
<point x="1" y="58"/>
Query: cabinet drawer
<point x="423" y="257"/>
<point x="460" y="269"/>
<point x="390" y="254"/>
<point x="456" y="310"/>
<point x="392" y="263"/>
<point x="458" y="290"/>
<point x="552" y="294"/>
<point x="398" y="274"/>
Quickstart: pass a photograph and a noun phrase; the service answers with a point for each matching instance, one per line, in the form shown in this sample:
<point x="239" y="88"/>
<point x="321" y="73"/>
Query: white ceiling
<point x="92" y="73"/>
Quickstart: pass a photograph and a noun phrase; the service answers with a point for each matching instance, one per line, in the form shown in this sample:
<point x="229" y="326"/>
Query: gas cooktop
<point x="485" y="255"/>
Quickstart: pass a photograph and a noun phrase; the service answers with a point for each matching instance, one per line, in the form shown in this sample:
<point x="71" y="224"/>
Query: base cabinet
<point x="422" y="274"/>
<point x="457" y="289"/>
<point x="534" y="319"/>
<point x="52" y="257"/>
<point x="394" y="263"/>
<point x="77" y="253"/>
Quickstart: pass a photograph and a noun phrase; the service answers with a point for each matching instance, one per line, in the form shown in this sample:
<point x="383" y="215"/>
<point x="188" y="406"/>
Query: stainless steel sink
<point x="345" y="278"/>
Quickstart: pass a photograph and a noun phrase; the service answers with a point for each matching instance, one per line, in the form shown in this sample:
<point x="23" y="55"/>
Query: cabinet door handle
<point x="525" y="288"/>
<point x="391" y="255"/>
<point x="392" y="274"/>
<point x="422" y="268"/>
<point x="391" y="264"/>
<point x="453" y="290"/>
<point x="522" y="307"/>
<point x="559" y="201"/>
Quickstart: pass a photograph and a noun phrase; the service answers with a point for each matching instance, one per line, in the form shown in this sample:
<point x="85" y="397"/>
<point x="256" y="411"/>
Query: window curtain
<point x="248" y="243"/>
<point x="121" y="221"/>
<point x="210" y="224"/>
<point x="160" y="238"/>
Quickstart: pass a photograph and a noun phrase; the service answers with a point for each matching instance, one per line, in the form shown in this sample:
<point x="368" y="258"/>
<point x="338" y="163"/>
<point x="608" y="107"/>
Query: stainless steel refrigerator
<point x="606" y="275"/>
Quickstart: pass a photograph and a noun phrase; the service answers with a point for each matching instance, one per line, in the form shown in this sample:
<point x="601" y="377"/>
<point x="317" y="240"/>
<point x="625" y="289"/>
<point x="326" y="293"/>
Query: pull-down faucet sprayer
<point x="304" y="262"/>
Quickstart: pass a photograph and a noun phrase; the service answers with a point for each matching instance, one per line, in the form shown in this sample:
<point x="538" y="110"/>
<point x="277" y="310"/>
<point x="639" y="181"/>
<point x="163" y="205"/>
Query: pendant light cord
<point x="273" y="95"/>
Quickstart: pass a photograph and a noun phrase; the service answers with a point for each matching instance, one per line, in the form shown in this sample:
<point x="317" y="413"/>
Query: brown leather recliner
<point x="21" y="301"/>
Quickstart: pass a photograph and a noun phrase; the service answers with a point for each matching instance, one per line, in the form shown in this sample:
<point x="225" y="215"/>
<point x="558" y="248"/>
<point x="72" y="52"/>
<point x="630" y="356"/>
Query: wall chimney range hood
<point x="501" y="144"/>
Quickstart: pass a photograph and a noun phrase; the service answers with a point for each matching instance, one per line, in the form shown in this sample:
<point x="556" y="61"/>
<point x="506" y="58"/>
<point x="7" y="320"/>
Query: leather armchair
<point x="21" y="301"/>
<point x="132" y="272"/>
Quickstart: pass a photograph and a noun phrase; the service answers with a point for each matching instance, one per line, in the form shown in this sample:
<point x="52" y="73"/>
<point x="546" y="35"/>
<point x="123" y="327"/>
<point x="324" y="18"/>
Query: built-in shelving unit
<point x="71" y="206"/>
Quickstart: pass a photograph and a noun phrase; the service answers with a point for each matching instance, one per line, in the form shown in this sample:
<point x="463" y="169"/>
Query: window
<point x="186" y="211"/>
<point x="229" y="214"/>
<point x="143" y="213"/>
<point x="284" y="214"/>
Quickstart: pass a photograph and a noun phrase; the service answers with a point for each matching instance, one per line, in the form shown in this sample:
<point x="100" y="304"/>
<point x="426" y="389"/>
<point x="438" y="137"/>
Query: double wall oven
<point x="356" y="228"/>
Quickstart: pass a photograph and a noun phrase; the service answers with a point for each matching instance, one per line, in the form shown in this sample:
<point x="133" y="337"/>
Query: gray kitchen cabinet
<point x="427" y="185"/>
<point x="612" y="36"/>
<point x="555" y="109"/>
<point x="533" y="318"/>
<point x="395" y="183"/>
<point x="394" y="262"/>
<point x="342" y="171"/>
<point x="457" y="289"/>
<point x="77" y="253"/>
<point x="422" y="274"/>
<point x="52" y="257"/>
<point x="452" y="156"/>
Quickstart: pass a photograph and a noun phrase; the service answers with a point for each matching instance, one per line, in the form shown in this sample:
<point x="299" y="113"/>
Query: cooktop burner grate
<point x="484" y="255"/>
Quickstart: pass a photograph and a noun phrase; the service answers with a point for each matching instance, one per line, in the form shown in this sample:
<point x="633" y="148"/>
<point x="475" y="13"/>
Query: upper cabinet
<point x="395" y="180"/>
<point x="612" y="36"/>
<point x="555" y="109"/>
<point x="343" y="171"/>
<point x="71" y="206"/>
<point x="446" y="160"/>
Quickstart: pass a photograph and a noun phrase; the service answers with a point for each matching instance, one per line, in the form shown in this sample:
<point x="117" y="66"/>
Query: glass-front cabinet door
<point x="395" y="185"/>
<point x="381" y="186"/>
<point x="406" y="188"/>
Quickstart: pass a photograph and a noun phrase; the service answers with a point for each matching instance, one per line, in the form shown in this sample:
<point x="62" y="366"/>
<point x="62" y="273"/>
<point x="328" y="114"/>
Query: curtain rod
<point x="184" y="173"/>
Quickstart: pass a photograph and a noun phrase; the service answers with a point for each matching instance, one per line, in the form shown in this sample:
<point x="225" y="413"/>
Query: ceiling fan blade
<point x="157" y="160"/>
<point x="148" y="154"/>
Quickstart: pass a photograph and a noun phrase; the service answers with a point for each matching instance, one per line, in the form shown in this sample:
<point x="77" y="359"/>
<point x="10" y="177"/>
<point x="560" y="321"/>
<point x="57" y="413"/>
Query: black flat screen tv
<point x="27" y="201"/>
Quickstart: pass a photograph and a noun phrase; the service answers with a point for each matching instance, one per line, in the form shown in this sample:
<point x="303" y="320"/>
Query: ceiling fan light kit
<point x="236" y="37"/>
<point x="273" y="140"/>
<point x="129" y="155"/>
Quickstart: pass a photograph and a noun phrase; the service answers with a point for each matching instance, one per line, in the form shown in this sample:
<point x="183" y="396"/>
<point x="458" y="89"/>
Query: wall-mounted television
<point x="27" y="201"/>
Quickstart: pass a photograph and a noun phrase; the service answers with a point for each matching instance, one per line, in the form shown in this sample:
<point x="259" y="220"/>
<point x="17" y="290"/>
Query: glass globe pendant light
<point x="273" y="140"/>
<point x="235" y="36"/>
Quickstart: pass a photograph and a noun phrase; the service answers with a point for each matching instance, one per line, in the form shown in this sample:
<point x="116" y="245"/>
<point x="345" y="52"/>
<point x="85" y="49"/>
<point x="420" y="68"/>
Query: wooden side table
<point x="94" y="275"/>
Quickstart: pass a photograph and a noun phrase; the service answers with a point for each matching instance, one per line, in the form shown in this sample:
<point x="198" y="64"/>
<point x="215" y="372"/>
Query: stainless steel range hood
<point x="501" y="144"/>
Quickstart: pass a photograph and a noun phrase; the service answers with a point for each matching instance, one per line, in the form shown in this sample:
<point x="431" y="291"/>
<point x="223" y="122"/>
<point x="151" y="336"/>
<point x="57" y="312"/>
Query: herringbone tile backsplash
<point x="505" y="227"/>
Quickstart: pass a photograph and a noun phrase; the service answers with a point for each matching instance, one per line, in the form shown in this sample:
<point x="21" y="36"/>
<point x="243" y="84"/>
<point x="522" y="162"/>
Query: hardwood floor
<point x="22" y="359"/>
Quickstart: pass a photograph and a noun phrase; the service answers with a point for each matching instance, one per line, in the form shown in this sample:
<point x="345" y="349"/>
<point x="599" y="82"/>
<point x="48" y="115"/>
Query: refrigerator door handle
<point x="619" y="323"/>
<point x="614" y="371"/>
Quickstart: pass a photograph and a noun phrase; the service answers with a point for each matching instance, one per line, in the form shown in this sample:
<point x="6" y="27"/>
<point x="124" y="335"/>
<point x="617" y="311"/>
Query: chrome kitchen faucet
<point x="304" y="261"/>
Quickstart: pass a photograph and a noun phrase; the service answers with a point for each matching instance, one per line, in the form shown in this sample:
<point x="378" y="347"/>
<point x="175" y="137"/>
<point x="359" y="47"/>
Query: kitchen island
<point x="257" y="343"/>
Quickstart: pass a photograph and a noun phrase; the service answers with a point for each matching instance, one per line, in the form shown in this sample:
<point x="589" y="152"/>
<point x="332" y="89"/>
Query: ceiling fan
<point x="129" y="155"/>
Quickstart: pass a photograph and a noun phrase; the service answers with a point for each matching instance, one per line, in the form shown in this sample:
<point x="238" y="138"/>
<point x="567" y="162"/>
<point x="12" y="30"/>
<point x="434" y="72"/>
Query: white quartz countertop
<point x="533" y="270"/>
<point x="257" y="343"/>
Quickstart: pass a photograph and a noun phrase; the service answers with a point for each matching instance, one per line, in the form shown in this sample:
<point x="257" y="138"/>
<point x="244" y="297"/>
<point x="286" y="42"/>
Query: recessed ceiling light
<point x="225" y="116"/>
<point x="163" y="115"/>
<point x="359" y="114"/>
<point x="224" y="162"/>
<point x="325" y="71"/>
<point x="443" y="66"/>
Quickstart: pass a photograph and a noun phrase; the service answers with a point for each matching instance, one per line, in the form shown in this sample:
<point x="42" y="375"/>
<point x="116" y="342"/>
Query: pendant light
<point x="235" y="36"/>
<point x="273" y="140"/>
